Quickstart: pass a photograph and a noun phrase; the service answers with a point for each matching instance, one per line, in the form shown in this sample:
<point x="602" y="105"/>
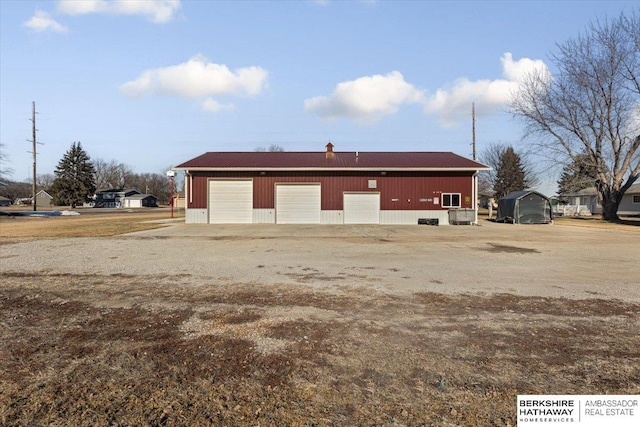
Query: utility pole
<point x="473" y="129"/>
<point x="475" y="175"/>
<point x="33" y="151"/>
<point x="172" y="175"/>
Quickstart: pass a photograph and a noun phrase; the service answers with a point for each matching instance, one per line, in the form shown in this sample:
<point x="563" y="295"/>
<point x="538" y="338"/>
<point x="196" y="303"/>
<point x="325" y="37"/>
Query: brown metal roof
<point x="330" y="161"/>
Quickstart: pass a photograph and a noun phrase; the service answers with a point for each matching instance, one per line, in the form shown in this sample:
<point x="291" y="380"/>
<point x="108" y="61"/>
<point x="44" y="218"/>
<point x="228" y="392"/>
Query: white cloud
<point x="159" y="11"/>
<point x="42" y="21"/>
<point x="213" y="106"/>
<point x="198" y="79"/>
<point x="366" y="99"/>
<point x="517" y="71"/>
<point x="452" y="105"/>
<point x="81" y="7"/>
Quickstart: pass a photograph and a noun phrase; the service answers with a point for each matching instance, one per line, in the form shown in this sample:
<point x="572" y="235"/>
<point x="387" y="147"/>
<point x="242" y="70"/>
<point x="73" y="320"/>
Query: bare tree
<point x="112" y="174"/>
<point x="13" y="190"/>
<point x="5" y="171"/>
<point x="273" y="148"/>
<point x="492" y="156"/>
<point x="45" y="181"/>
<point x="591" y="106"/>
<point x="152" y="183"/>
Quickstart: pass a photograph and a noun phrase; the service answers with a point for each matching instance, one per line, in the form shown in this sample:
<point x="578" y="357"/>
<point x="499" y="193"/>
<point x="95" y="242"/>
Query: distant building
<point x="140" y="201"/>
<point x="44" y="199"/>
<point x="178" y="202"/>
<point x="22" y="201"/>
<point x="119" y="198"/>
<point x="587" y="202"/>
<point x="112" y="198"/>
<point x="4" y="201"/>
<point x="630" y="203"/>
<point x="583" y="202"/>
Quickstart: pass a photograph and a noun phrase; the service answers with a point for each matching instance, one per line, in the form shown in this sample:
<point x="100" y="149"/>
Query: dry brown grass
<point x="107" y="350"/>
<point x="625" y="223"/>
<point x="595" y="221"/>
<point x="150" y="350"/>
<point x="87" y="224"/>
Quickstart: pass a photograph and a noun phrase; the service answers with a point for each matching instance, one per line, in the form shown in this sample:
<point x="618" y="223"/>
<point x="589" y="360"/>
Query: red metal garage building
<point x="328" y="187"/>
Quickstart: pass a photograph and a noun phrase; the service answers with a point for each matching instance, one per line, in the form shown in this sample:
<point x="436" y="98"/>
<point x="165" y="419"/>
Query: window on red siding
<point x="451" y="200"/>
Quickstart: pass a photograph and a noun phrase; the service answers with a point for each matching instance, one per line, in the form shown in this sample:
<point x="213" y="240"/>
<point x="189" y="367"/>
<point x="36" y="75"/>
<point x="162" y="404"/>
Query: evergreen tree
<point x="492" y="156"/>
<point x="74" y="178"/>
<point x="578" y="175"/>
<point x="510" y="174"/>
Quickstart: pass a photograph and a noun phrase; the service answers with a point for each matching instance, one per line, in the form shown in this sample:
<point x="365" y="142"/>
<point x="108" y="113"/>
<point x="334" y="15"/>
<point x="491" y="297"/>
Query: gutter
<point x="316" y="169"/>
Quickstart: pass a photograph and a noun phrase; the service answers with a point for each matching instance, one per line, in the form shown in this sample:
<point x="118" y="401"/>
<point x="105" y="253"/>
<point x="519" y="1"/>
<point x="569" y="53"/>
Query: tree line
<point x="587" y="114"/>
<point x="77" y="178"/>
<point x="585" y="117"/>
<point x="514" y="171"/>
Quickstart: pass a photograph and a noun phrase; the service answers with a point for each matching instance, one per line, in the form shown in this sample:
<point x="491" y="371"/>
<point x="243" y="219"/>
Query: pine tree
<point x="510" y="174"/>
<point x="578" y="175"/>
<point x="74" y="178"/>
<point x="492" y="156"/>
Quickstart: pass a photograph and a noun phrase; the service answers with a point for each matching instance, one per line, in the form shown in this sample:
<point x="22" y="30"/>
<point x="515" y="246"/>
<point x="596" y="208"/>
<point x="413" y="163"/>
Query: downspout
<point x="188" y="185"/>
<point x="474" y="198"/>
<point x="188" y="195"/>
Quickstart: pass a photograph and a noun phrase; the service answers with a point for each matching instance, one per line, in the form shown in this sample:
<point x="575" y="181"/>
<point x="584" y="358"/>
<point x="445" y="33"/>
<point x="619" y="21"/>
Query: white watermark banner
<point x="578" y="410"/>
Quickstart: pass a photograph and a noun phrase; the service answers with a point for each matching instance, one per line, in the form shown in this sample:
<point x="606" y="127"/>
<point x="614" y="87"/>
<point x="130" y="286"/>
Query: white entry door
<point x="361" y="208"/>
<point x="230" y="201"/>
<point x="298" y="203"/>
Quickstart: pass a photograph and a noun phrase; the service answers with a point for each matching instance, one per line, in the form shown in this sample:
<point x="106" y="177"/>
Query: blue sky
<point x="155" y="83"/>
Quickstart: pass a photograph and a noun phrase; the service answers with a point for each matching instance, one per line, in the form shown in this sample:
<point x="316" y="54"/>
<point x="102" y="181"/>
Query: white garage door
<point x="361" y="208"/>
<point x="298" y="203"/>
<point x="230" y="201"/>
<point x="132" y="203"/>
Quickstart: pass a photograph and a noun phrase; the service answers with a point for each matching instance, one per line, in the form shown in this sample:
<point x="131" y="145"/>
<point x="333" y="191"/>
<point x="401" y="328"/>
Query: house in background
<point x="119" y="198"/>
<point x="5" y="201"/>
<point x="630" y="203"/>
<point x="44" y="199"/>
<point x="328" y="187"/>
<point x="179" y="201"/>
<point x="140" y="201"/>
<point x="112" y="198"/>
<point x="584" y="202"/>
<point x="22" y="201"/>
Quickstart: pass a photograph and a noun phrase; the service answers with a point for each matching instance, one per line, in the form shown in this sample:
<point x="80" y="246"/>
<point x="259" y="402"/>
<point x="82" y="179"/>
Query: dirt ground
<point x="314" y="326"/>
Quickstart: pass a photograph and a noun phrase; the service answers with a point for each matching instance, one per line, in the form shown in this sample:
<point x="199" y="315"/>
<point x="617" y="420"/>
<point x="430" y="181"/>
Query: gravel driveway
<point x="541" y="260"/>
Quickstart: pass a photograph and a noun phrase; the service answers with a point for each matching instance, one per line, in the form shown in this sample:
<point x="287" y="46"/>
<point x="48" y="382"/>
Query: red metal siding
<point x="197" y="196"/>
<point x="398" y="190"/>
